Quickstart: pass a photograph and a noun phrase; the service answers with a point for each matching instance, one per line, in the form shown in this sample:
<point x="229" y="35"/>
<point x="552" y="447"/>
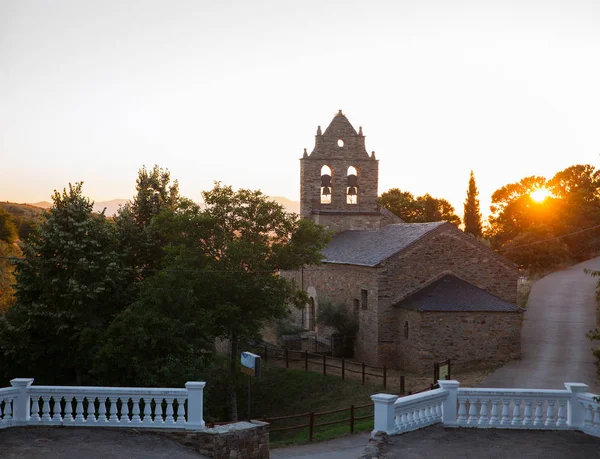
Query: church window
<point x="406" y="329"/>
<point x="352" y="188"/>
<point x="311" y="314"/>
<point x="364" y="298"/>
<point x="340" y="143"/>
<point x="325" y="185"/>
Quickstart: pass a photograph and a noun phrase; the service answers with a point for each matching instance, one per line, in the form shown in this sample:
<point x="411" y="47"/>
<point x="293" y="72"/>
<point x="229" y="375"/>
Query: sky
<point x="234" y="91"/>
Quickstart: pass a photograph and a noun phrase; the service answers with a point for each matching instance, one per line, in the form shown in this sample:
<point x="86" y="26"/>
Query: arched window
<point x="352" y="188"/>
<point x="312" y="311"/>
<point x="325" y="185"/>
<point x="406" y="329"/>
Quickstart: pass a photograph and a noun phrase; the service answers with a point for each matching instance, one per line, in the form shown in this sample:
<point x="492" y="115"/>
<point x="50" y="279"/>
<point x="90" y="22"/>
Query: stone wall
<point x="446" y="249"/>
<point x="470" y="339"/>
<point x="241" y="440"/>
<point x="338" y="222"/>
<point x="343" y="284"/>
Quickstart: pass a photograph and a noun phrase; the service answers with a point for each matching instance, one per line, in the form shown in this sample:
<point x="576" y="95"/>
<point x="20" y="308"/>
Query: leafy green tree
<point x="472" y="214"/>
<point x="423" y="209"/>
<point x="7" y="291"/>
<point x="141" y="243"/>
<point x="68" y="288"/>
<point x="536" y="250"/>
<point x="8" y="230"/>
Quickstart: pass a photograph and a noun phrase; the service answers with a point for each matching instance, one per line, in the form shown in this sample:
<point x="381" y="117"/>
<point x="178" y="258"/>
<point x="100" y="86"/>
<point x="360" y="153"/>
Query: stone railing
<point x="25" y="405"/>
<point x="574" y="408"/>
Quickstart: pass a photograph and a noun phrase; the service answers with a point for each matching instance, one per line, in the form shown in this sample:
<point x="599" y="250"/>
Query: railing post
<point x="384" y="377"/>
<point x="575" y="410"/>
<point x="311" y="426"/>
<point x="385" y="416"/>
<point x="287" y="359"/>
<point x="21" y="402"/>
<point x="195" y="418"/>
<point x="449" y="405"/>
<point x="305" y="360"/>
<point x="343" y="367"/>
<point x="351" y="418"/>
<point x="363" y="373"/>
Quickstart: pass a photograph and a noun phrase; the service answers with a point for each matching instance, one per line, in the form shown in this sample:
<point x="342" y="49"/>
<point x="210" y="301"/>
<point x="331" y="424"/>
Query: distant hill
<point x="290" y="206"/>
<point x="27" y="211"/>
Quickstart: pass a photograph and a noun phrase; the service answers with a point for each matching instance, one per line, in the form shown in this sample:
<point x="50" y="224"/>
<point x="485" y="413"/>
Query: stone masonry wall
<point x="242" y="440"/>
<point x="446" y="249"/>
<point x="343" y="284"/>
<point x="343" y="222"/>
<point x="470" y="339"/>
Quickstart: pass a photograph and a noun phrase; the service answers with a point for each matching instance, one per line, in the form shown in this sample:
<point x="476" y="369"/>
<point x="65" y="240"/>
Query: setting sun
<point x="539" y="195"/>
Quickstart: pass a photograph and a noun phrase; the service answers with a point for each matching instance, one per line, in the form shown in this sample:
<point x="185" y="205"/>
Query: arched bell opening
<point x="352" y="186"/>
<point x="326" y="190"/>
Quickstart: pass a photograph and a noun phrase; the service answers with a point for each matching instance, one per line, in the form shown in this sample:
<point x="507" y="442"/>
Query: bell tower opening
<point x="352" y="187"/>
<point x="325" y="185"/>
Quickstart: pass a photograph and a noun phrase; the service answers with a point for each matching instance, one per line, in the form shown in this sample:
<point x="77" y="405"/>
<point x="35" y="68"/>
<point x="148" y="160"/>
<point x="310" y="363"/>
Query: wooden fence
<point x="311" y="420"/>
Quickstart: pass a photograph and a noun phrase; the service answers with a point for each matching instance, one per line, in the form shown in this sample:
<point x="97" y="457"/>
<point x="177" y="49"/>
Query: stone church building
<point x="420" y="292"/>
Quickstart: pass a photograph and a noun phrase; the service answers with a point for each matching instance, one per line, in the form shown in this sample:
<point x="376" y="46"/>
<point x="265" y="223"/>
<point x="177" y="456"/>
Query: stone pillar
<point x="195" y="419"/>
<point x="575" y="410"/>
<point x="21" y="401"/>
<point x="449" y="405"/>
<point x="385" y="416"/>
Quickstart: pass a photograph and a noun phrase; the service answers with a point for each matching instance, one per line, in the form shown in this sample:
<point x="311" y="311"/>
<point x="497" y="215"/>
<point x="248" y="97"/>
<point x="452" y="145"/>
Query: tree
<point x="472" y="215"/>
<point x="7" y="290"/>
<point x="68" y="288"/>
<point x="8" y="230"/>
<point x="423" y="209"/>
<point x="141" y="243"/>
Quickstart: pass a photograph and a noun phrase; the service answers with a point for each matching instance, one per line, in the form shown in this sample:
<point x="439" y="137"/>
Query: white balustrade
<point x="24" y="404"/>
<point x="571" y="409"/>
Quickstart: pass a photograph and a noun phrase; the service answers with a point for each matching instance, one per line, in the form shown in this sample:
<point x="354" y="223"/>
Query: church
<point x="419" y="292"/>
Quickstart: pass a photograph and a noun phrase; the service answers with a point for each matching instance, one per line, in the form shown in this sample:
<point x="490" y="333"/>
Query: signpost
<point x="250" y="366"/>
<point x="441" y="370"/>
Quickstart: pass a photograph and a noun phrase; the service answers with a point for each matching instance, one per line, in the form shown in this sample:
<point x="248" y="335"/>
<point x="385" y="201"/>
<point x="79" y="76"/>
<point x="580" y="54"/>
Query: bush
<point x="336" y="315"/>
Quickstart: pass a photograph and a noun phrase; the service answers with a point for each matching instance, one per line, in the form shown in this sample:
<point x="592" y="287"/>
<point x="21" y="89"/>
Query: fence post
<point x="363" y="373"/>
<point x="449" y="410"/>
<point x="575" y="410"/>
<point x="311" y="426"/>
<point x="324" y="365"/>
<point x="351" y="418"/>
<point x="21" y="402"/>
<point x="305" y="360"/>
<point x="343" y="367"/>
<point x="402" y="384"/>
<point x="287" y="360"/>
<point x="385" y="416"/>
<point x="384" y="377"/>
<point x="195" y="406"/>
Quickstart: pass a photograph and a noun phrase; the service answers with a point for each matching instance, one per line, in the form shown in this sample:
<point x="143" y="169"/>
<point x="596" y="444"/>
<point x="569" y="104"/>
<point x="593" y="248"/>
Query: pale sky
<point x="234" y="91"/>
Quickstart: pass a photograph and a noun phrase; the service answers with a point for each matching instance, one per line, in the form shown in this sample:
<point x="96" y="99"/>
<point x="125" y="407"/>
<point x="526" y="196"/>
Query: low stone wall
<point x="241" y="440"/>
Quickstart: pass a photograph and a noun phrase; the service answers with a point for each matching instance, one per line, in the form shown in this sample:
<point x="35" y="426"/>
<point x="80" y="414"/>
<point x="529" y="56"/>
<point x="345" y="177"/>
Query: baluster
<point x="113" y="419"/>
<point x="562" y="413"/>
<point x="102" y="419"/>
<point x="517" y="413"/>
<point x="405" y="420"/>
<point x="494" y="419"/>
<point x="124" y="410"/>
<point x="539" y="413"/>
<point x="8" y="414"/>
<point x="79" y="410"/>
<point x="180" y="411"/>
<point x="135" y="411"/>
<point x="159" y="411"/>
<point x="409" y="418"/>
<point x="56" y="409"/>
<point x="462" y="411"/>
<point x="146" y="412"/>
<point x="505" y="412"/>
<point x="429" y="414"/>
<point x="588" y="417"/>
<point x="68" y="410"/>
<point x="169" y="419"/>
<point x="46" y="410"/>
<point x="483" y="412"/>
<point x="35" y="409"/>
<point x="550" y="420"/>
<point x="472" y="411"/>
<point x="596" y="417"/>
<point x="399" y="421"/>
<point x="528" y="420"/>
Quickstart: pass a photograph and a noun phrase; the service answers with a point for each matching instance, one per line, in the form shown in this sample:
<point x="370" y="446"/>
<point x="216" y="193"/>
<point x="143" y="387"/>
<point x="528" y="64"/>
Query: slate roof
<point x="451" y="294"/>
<point x="371" y="247"/>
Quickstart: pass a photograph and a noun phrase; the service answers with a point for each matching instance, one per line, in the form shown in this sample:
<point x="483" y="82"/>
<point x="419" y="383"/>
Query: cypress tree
<point x="472" y="217"/>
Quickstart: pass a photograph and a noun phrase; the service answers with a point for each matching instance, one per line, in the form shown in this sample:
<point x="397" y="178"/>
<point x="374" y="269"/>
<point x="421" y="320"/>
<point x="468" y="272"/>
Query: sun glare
<point x="539" y="195"/>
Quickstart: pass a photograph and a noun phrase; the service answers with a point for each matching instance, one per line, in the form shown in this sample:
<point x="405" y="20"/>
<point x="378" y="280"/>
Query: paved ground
<point x="349" y="447"/>
<point x="560" y="311"/>
<point x="436" y="441"/>
<point x="82" y="443"/>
